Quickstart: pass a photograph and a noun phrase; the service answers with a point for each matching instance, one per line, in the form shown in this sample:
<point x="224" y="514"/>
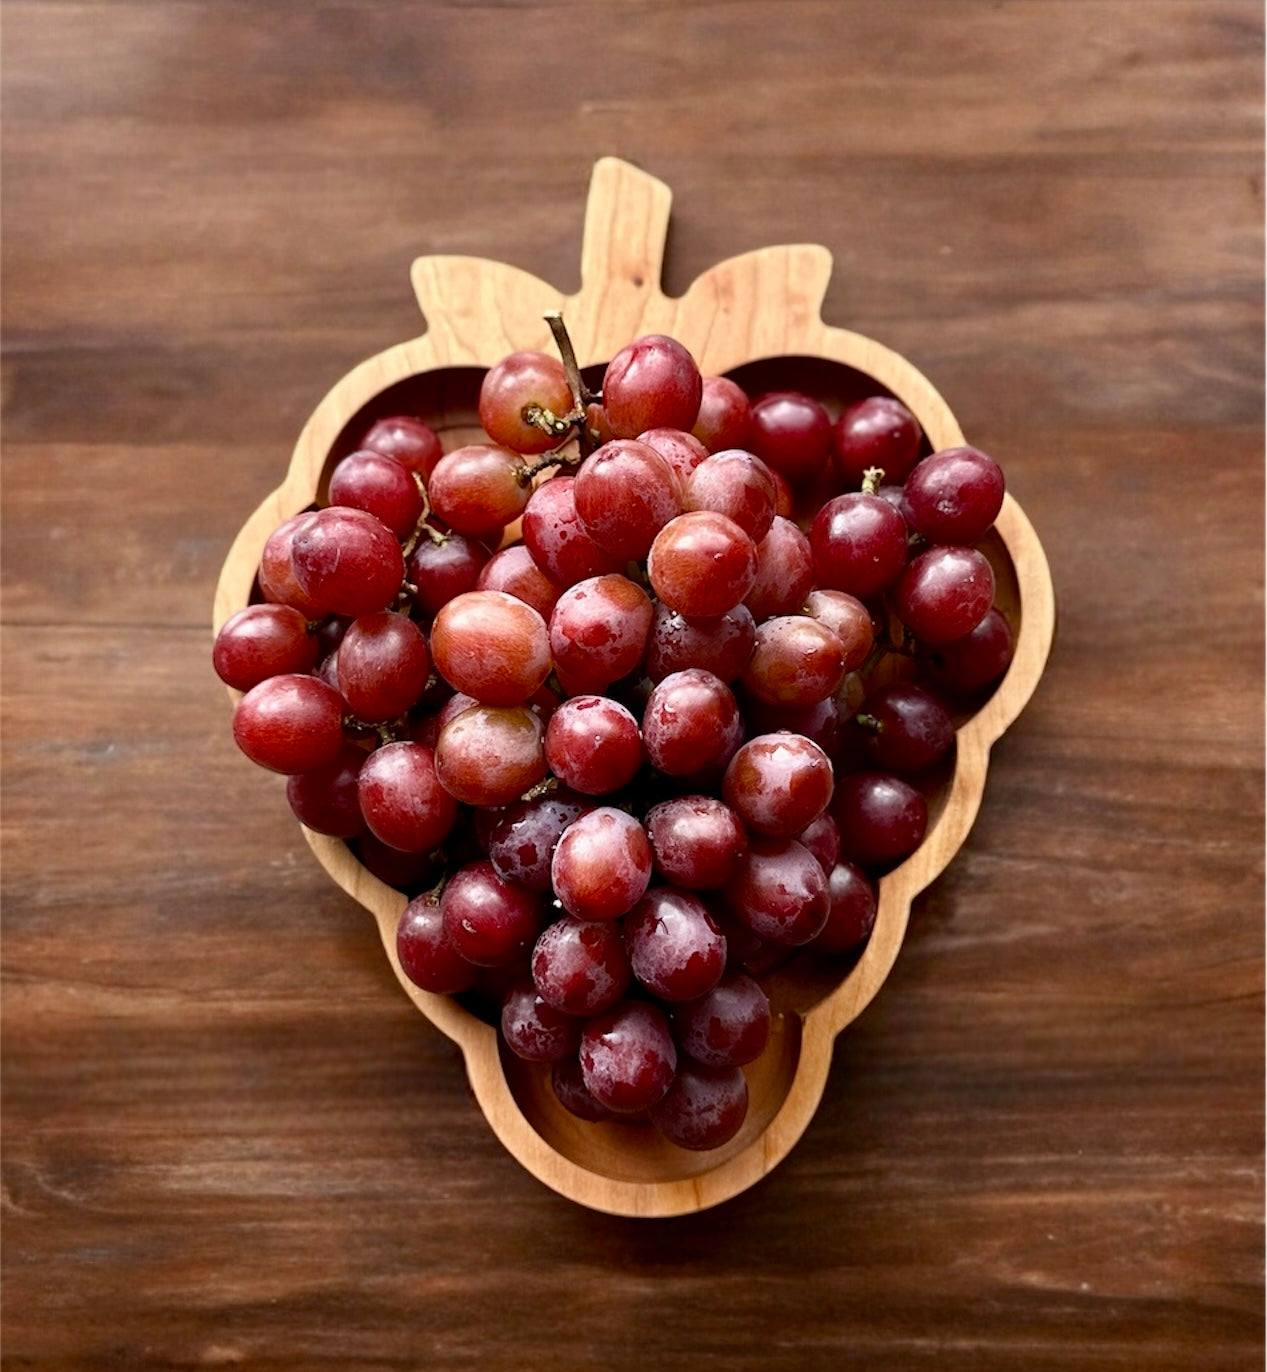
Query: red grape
<point x="734" y="483"/>
<point x="602" y="864"/>
<point x="697" y="841"/>
<point x="579" y="966"/>
<point x="907" y="729"/>
<point x="795" y="661"/>
<point x="859" y="544"/>
<point x="721" y="645"/>
<point x="382" y="487"/>
<point x="492" y="646"/>
<point x="702" y="564"/>
<point x="691" y="725"/>
<point x="522" y="840"/>
<point x="627" y="1056"/>
<point x="260" y="641"/>
<point x="593" y="745"/>
<point x="625" y="493"/>
<point x="779" y="892"/>
<point x="944" y="593"/>
<point x="402" y="799"/>
<point x="491" y="922"/>
<point x="598" y="632"/>
<point x="534" y="1030"/>
<point x="412" y="443"/>
<point x="478" y="489"/>
<point x="703" y="1108"/>
<point x="881" y="818"/>
<point x="515" y="385"/>
<point x="724" y="417"/>
<point x="876" y="432"/>
<point x="444" y="568"/>
<point x="491" y="754"/>
<point x="969" y="664"/>
<point x="347" y="561"/>
<point x="383" y="666"/>
<point x="778" y="784"/>
<point x="290" y="724"/>
<point x="556" y="538"/>
<point x="325" y="799"/>
<point x="785" y="571"/>
<point x="424" y="951"/>
<point x="512" y="570"/>
<point x="651" y="383"/>
<point x="955" y="495"/>
<point x="675" y="948"/>
<point x="792" y="433"/>
<point x="853" y="910"/>
<point x="727" y="1026"/>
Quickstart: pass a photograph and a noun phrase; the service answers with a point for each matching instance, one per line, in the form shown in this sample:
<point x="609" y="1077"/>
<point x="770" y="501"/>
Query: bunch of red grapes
<point x="632" y="699"/>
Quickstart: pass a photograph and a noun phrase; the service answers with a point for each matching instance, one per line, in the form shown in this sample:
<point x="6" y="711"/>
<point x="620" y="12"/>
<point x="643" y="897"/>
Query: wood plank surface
<point x="227" y="1136"/>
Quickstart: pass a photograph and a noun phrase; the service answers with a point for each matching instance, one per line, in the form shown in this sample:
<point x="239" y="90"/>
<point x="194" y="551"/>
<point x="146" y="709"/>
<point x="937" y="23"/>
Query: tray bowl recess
<point x="755" y="317"/>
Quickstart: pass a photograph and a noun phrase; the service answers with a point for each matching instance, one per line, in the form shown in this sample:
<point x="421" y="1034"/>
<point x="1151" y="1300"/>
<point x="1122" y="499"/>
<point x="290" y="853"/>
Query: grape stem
<point x="581" y="393"/>
<point x="871" y="479"/>
<point x="421" y="527"/>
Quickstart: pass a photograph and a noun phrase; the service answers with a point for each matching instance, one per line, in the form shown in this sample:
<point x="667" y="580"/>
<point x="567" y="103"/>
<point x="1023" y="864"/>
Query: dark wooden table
<point x="227" y="1136"/>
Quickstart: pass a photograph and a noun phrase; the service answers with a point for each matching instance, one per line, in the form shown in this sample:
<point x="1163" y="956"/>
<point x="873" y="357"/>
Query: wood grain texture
<point x="227" y="1137"/>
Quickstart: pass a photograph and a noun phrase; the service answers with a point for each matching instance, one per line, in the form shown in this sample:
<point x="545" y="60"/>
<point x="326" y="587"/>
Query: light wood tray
<point x="757" y="315"/>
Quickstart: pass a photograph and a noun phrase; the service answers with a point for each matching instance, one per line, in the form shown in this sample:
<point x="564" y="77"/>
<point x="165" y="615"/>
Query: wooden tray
<point x="756" y="316"/>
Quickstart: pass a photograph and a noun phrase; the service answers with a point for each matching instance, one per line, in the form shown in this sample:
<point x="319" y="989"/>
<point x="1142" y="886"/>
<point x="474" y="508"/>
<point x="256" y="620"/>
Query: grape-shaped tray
<point x="757" y="317"/>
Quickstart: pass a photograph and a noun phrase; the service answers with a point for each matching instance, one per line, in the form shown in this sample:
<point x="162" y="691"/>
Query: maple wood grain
<point x="227" y="1135"/>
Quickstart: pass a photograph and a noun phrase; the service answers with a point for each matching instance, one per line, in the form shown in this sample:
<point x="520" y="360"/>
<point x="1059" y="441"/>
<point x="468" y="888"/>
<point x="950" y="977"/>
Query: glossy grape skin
<point x="849" y="619"/>
<point x="260" y="641"/>
<point x="491" y="754"/>
<point x="697" y="841"/>
<point x="737" y="484"/>
<point x="518" y="381"/>
<point x="721" y="645"/>
<point x="795" y="661"/>
<point x="944" y="593"/>
<point x="382" y="666"/>
<point x="876" y="432"/>
<point x="491" y="922"/>
<point x="598" y="632"/>
<point x="290" y="723"/>
<point x="534" y="1030"/>
<point x="601" y="866"/>
<point x="651" y="383"/>
<point x="728" y="1026"/>
<point x="478" y="489"/>
<point x="682" y="451"/>
<point x="724" y="419"/>
<point x="853" y="910"/>
<point x="557" y="540"/>
<point x="426" y="955"/>
<point x="573" y="1095"/>
<point x="907" y="729"/>
<point x="593" y="745"/>
<point x="779" y="892"/>
<point x="702" y="564"/>
<point x="778" y="784"/>
<point x="412" y="443"/>
<point x="628" y="1056"/>
<point x="441" y="570"/>
<point x="580" y="967"/>
<point x="625" y="493"/>
<point x="522" y="841"/>
<point x="401" y="797"/>
<point x="276" y="574"/>
<point x="785" y="571"/>
<point x="822" y="837"/>
<point x="791" y="432"/>
<point x="967" y="665"/>
<point x="492" y="646"/>
<point x="859" y="544"/>
<point x="512" y="570"/>
<point x="955" y="495"/>
<point x="675" y="948"/>
<point x="382" y="487"/>
<point x="325" y="798"/>
<point x="703" y="1108"/>
<point x="347" y="561"/>
<point x="881" y="818"/>
<point x="691" y="724"/>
